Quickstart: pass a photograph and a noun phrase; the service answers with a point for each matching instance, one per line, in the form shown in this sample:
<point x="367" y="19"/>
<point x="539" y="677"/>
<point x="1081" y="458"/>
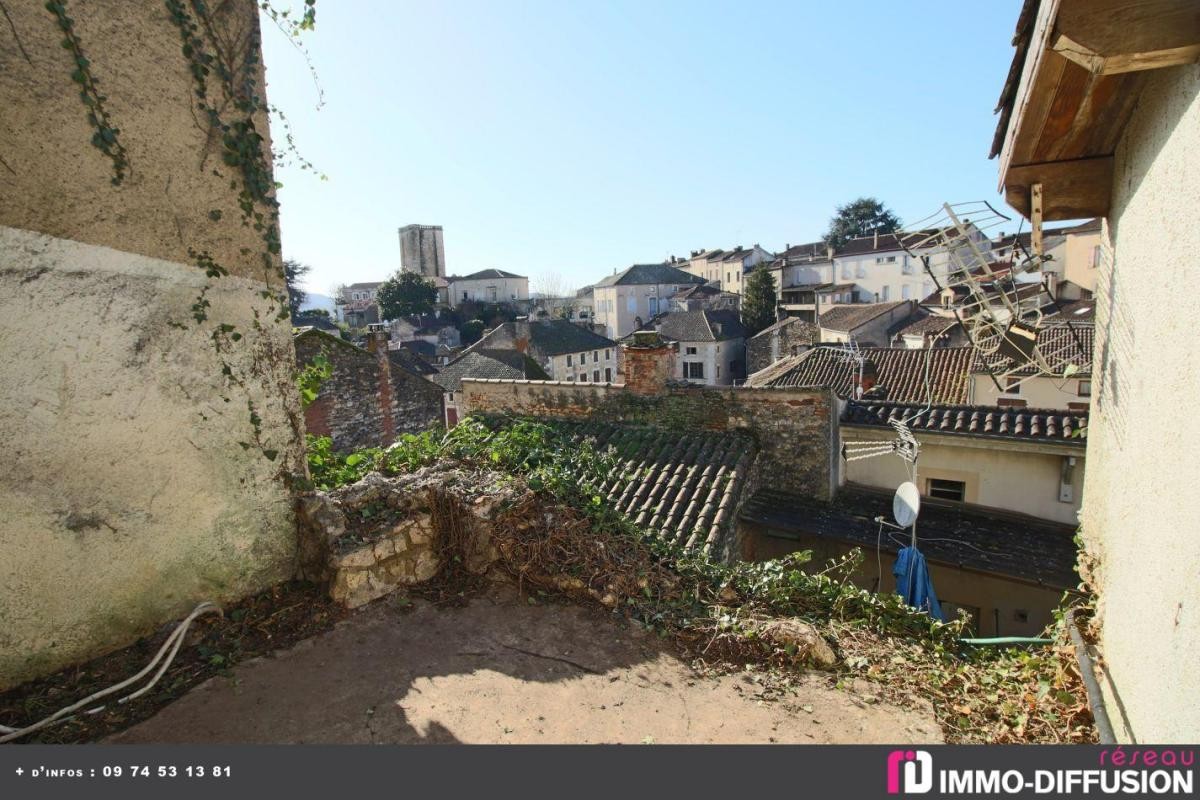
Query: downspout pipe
<point x="1104" y="727"/>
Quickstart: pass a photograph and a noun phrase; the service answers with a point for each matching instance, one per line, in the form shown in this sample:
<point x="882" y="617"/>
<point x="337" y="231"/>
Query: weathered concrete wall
<point x="795" y="428"/>
<point x="1140" y="518"/>
<point x="366" y="402"/>
<point x="134" y="484"/>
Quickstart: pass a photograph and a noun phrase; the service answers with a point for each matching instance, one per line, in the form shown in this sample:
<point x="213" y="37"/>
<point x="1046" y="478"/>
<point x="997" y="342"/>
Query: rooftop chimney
<point x="649" y="363"/>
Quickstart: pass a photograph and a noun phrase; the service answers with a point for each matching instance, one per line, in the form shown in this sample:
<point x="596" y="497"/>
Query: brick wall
<point x="795" y="428"/>
<point x="369" y="400"/>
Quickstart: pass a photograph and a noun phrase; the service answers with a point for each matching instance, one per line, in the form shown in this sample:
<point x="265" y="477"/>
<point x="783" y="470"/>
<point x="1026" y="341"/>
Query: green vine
<point x="105" y="138"/>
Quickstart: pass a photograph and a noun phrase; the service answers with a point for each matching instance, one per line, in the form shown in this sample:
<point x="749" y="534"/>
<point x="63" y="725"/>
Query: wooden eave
<point x="1084" y="64"/>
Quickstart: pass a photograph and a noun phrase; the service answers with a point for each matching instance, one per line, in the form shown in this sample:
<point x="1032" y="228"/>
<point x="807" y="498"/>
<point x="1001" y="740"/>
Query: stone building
<point x="790" y="336"/>
<point x="564" y="350"/>
<point x="373" y="395"/>
<point x="422" y="251"/>
<point x="139" y="479"/>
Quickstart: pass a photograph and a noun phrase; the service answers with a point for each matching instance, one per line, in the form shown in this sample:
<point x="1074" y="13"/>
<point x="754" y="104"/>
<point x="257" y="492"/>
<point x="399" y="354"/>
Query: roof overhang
<point x="1084" y="62"/>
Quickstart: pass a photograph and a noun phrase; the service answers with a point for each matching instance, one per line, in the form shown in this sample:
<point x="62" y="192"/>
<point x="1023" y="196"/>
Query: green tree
<point x="405" y="294"/>
<point x="758" y="300"/>
<point x="471" y="331"/>
<point x="293" y="273"/>
<point x="863" y="217"/>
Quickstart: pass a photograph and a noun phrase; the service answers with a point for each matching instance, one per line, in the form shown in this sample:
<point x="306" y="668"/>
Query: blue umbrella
<point x="914" y="584"/>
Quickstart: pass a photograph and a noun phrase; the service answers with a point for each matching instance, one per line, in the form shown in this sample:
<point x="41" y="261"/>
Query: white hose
<point x="173" y="643"/>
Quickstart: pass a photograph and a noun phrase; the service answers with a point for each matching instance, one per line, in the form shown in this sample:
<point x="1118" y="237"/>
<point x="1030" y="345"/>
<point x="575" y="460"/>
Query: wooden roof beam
<point x="1109" y="37"/>
<point x="1073" y="189"/>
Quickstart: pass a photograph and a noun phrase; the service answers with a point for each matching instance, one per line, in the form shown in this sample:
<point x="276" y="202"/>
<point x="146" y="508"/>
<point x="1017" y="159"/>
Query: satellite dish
<point x="906" y="504"/>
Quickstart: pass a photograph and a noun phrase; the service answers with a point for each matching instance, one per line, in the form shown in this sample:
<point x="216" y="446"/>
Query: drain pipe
<point x="1104" y="727"/>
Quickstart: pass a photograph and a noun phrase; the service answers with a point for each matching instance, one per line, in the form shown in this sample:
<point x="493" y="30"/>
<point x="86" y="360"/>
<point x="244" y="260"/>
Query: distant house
<point x="940" y="375"/>
<point x="725" y="269"/>
<point x="789" y="337"/>
<point x="928" y="330"/>
<point x="699" y="297"/>
<point x="487" y="286"/>
<point x="864" y="323"/>
<point x="564" y="350"/>
<point x="712" y="345"/>
<point x="623" y="302"/>
<point x="356" y="305"/>
<point x="1066" y="349"/>
<point x="483" y="363"/>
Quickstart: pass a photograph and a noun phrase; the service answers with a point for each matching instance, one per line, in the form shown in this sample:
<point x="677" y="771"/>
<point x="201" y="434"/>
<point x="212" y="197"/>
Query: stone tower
<point x="421" y="250"/>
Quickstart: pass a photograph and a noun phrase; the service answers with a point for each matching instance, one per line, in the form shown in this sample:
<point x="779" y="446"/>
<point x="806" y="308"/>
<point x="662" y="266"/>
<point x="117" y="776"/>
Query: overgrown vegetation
<point x="715" y="612"/>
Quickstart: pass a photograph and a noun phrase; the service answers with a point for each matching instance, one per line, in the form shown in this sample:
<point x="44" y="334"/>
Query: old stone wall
<point x="796" y="429"/>
<point x="765" y="349"/>
<point x="368" y="401"/>
<point x="140" y="478"/>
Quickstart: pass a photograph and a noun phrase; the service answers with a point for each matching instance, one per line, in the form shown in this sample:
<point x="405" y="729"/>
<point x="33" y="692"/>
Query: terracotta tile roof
<point x="929" y="324"/>
<point x="1062" y="345"/>
<point x="1032" y="424"/>
<point x="955" y="535"/>
<point x="900" y="372"/>
<point x="852" y="316"/>
<point x="683" y="485"/>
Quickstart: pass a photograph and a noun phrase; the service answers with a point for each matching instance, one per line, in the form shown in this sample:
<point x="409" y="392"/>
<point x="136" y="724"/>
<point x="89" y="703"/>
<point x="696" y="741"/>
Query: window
<point x="1012" y="385"/>
<point x="907" y="267"/>
<point x="582" y="359"/>
<point x="583" y="377"/>
<point x="1085" y="389"/>
<point x="595" y="356"/>
<point x="596" y="375"/>
<point x="886" y="292"/>
<point x="691" y="351"/>
<point x="491" y="290"/>
<point x="718" y="376"/>
<point x="847" y="270"/>
<point x="608" y="355"/>
<point x="885" y="259"/>
<point x="464" y="295"/>
<point x="608" y="374"/>
<point x="568" y="361"/>
<point x="653" y="306"/>
<point x="631" y="304"/>
<point x="905" y="292"/>
<point x="693" y="370"/>
<point x="946" y="490"/>
<point x="451" y="398"/>
<point x="1095" y="256"/>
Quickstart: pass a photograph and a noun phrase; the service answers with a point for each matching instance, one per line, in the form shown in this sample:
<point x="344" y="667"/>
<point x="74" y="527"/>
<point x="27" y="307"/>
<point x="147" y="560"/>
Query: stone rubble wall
<point x="409" y="546"/>
<point x="796" y="429"/>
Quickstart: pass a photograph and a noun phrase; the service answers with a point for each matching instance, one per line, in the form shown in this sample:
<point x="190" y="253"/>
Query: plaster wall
<point x="1014" y="476"/>
<point x="1140" y="520"/>
<point x="134" y="484"/>
<point x="1037" y="392"/>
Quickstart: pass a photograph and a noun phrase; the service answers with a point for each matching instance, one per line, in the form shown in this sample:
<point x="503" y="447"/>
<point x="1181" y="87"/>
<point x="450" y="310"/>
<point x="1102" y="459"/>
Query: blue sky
<point x="574" y="138"/>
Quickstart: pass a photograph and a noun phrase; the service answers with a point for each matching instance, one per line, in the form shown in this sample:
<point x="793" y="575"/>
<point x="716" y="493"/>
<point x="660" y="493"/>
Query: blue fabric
<point x="914" y="584"/>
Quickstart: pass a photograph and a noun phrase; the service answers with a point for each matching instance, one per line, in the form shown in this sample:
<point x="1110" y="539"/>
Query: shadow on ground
<point x="500" y="670"/>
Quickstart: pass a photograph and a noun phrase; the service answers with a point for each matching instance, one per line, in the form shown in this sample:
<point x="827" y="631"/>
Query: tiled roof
<point x="900" y="372"/>
<point x="487" y="364"/>
<point x="420" y="347"/>
<point x="483" y="274"/>
<point x="558" y="336"/>
<point x="1033" y="424"/>
<point x="813" y="251"/>
<point x="930" y="323"/>
<point x="852" y="316"/>
<point x="650" y="274"/>
<point x="699" y="326"/>
<point x="1061" y="345"/>
<point x="367" y="285"/>
<point x="409" y="361"/>
<point x="685" y="486"/>
<point x="699" y="290"/>
<point x="1011" y="545"/>
<point x="812" y="331"/>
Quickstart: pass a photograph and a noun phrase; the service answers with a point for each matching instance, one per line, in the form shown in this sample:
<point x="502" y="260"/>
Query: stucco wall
<point x="1015" y="476"/>
<point x="133" y="485"/>
<point x="127" y="495"/>
<point x="1141" y="516"/>
<point x="1037" y="392"/>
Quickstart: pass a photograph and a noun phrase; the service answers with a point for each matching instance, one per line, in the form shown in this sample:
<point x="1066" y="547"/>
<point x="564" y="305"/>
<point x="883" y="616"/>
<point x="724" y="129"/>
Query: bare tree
<point x="549" y="284"/>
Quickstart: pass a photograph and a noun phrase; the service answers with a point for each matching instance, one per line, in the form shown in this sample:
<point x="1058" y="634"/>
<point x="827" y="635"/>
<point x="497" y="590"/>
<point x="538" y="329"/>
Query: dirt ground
<point x="500" y="670"/>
